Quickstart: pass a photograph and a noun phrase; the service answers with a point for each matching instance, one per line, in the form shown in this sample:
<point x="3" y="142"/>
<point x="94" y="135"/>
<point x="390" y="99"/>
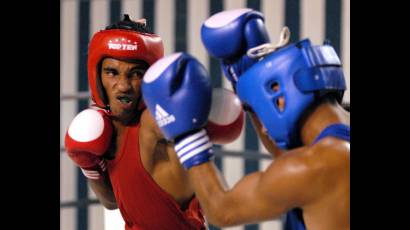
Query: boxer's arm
<point x="259" y="196"/>
<point x="87" y="140"/>
<point x="103" y="190"/>
<point x="148" y="124"/>
<point x="149" y="136"/>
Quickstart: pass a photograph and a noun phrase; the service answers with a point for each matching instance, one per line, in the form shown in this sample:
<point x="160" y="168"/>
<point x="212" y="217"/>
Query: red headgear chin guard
<point x="119" y="44"/>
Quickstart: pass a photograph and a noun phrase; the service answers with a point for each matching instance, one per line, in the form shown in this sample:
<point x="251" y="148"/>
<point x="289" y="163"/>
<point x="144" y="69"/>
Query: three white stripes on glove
<point x="95" y="174"/>
<point x="192" y="145"/>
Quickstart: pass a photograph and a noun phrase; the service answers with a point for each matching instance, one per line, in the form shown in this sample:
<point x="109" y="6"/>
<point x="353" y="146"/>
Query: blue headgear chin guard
<point x="304" y="74"/>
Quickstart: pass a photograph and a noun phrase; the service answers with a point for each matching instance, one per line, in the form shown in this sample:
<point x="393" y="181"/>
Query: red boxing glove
<point x="226" y="119"/>
<point x="87" y="139"/>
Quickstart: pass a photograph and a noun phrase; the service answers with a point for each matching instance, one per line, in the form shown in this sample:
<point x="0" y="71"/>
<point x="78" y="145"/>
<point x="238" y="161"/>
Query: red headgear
<point x="119" y="44"/>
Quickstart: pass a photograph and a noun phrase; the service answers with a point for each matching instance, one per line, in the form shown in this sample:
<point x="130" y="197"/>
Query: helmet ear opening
<point x="280" y="103"/>
<point x="279" y="100"/>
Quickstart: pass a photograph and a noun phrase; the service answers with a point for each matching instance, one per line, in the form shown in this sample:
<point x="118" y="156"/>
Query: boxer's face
<point x="265" y="136"/>
<point x="122" y="83"/>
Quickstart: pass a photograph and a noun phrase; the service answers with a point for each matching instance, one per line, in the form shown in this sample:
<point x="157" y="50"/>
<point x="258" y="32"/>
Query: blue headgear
<point x="304" y="74"/>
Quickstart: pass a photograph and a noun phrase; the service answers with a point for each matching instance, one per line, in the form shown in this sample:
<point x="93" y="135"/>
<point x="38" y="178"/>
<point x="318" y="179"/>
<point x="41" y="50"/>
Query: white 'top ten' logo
<point x="122" y="44"/>
<point x="162" y="117"/>
<point x="114" y="46"/>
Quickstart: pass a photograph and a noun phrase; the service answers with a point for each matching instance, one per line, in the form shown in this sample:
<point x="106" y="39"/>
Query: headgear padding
<point x="304" y="74"/>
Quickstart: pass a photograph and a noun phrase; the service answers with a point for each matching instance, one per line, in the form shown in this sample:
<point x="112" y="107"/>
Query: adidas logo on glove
<point x="162" y="117"/>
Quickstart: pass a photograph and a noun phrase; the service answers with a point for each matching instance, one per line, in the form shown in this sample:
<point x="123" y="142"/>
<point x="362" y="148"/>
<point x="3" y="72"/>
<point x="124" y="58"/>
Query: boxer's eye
<point x="275" y="87"/>
<point x="136" y="73"/>
<point x="110" y="72"/>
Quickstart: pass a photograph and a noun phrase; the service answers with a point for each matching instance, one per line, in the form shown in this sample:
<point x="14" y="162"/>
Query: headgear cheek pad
<point x="304" y="74"/>
<point x="119" y="44"/>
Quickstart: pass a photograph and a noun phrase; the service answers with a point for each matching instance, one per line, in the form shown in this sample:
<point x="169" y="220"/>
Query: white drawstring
<point x="267" y="48"/>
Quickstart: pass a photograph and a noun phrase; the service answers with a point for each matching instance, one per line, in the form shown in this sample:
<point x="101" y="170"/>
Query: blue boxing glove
<point x="228" y="36"/>
<point x="177" y="91"/>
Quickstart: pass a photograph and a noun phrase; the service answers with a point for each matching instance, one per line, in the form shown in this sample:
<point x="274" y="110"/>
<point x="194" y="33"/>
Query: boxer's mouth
<point x="124" y="99"/>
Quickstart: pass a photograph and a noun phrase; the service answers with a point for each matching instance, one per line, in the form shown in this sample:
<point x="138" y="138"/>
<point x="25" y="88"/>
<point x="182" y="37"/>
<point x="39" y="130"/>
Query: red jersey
<point x="142" y="203"/>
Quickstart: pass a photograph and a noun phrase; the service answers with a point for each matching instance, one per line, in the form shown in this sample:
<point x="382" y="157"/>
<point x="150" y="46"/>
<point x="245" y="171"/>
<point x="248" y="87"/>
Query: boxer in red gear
<point x="143" y="177"/>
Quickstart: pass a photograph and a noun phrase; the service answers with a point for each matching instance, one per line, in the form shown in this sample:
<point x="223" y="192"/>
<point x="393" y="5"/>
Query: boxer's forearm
<point x="210" y="188"/>
<point x="103" y="190"/>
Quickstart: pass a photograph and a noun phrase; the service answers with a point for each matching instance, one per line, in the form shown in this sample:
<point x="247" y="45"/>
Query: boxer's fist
<point x="177" y="90"/>
<point x="226" y="119"/>
<point x="228" y="35"/>
<point x="87" y="139"/>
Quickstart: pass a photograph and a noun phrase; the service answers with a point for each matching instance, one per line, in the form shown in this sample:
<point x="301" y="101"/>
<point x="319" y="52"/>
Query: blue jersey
<point x="294" y="218"/>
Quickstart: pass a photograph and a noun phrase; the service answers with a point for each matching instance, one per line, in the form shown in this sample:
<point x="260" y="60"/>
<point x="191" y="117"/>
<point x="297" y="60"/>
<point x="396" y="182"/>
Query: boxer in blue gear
<point x="293" y="95"/>
<point x="300" y="74"/>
